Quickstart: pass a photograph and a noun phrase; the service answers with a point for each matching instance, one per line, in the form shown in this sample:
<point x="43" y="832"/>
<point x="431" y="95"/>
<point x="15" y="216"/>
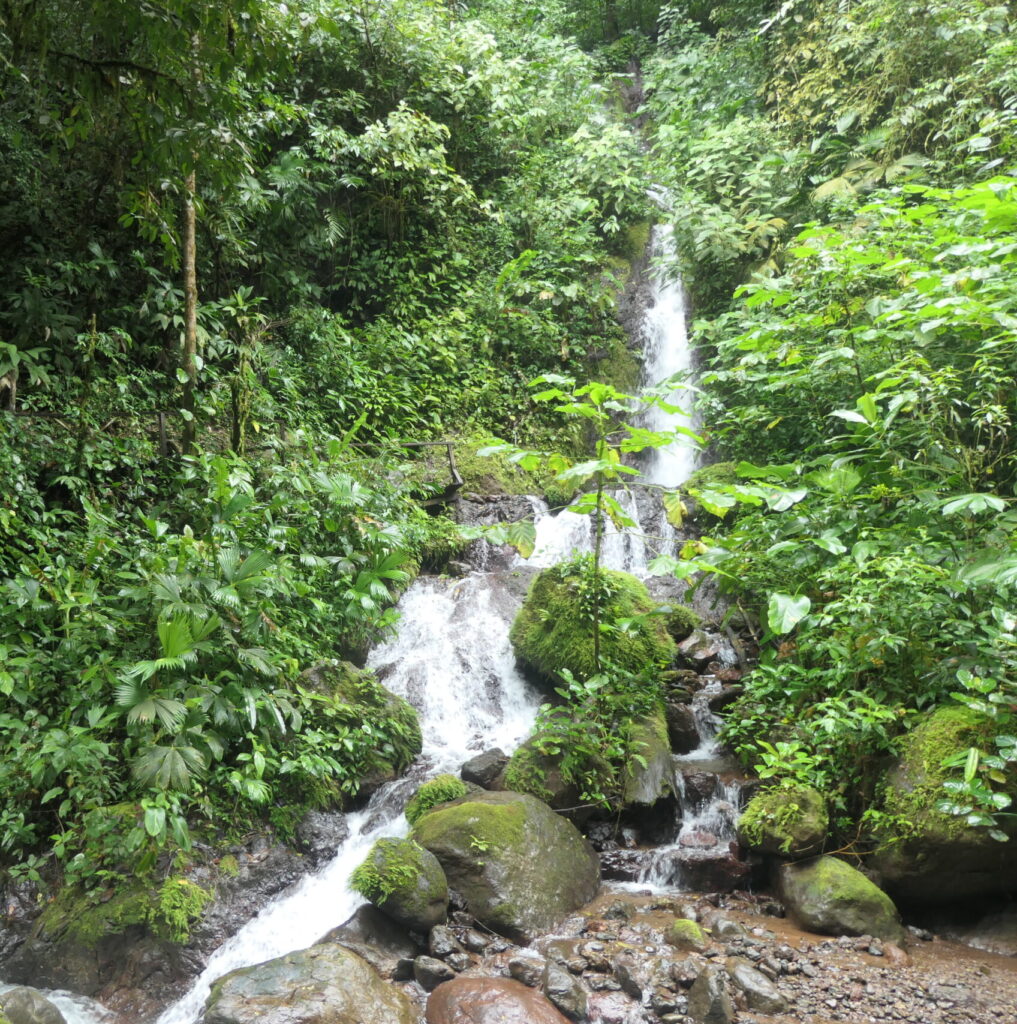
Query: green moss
<point x="710" y="476"/>
<point x="682" y="620"/>
<point x="436" y="791"/>
<point x="917" y="786"/>
<point x="229" y="866"/>
<point x="618" y="366"/>
<point x="647" y="776"/>
<point x="490" y="826"/>
<point x="786" y="820"/>
<point x="553" y="630"/>
<point x="685" y="934"/>
<point x="392" y="865"/>
<point x="168" y="910"/>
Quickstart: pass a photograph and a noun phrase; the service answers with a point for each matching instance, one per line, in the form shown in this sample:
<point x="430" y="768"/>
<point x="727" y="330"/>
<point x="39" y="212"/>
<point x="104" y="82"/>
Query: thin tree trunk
<point x="597" y="546"/>
<point x="188" y="360"/>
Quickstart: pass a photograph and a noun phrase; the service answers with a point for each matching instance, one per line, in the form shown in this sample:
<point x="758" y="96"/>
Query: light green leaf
<point x="785" y="611"/>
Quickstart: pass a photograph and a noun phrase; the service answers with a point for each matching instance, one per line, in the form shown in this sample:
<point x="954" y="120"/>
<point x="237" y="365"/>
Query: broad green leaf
<point x="785" y="611"/>
<point x="973" y="504"/>
<point x="674" y="508"/>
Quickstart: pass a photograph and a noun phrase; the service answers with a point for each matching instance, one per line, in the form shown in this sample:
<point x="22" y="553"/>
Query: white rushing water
<point x="452" y="660"/>
<point x="76" y="1009"/>
<point x="668" y="355"/>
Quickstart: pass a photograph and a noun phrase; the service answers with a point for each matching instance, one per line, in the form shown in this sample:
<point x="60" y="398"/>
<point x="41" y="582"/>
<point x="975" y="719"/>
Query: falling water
<point x="668" y="355"/>
<point x="452" y="660"/>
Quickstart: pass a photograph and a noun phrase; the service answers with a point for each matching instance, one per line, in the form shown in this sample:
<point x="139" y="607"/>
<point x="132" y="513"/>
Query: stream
<point x="452" y="660"/>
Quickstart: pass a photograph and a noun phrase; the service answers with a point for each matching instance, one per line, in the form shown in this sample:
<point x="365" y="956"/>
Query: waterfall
<point x="668" y="355"/>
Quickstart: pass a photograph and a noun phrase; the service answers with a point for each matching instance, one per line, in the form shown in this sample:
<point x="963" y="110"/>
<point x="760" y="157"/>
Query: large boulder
<point x="25" y="1005"/>
<point x="404" y="881"/>
<point x="827" y="896"/>
<point x="520" y="866"/>
<point x="326" y="984"/>
<point x="785" y="821"/>
<point x="553" y="629"/>
<point x="937" y="857"/>
<point x="490" y="1001"/>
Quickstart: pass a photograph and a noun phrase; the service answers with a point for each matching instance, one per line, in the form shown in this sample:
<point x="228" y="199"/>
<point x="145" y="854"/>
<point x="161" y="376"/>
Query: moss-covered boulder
<point x="326" y="984"/>
<point x="358" y="696"/>
<point x="520" y="867"/>
<point x="647" y="776"/>
<point x="404" y="881"/>
<point x="828" y="896"/>
<point x="530" y="770"/>
<point x="786" y="821"/>
<point x="25" y="1005"/>
<point x="927" y="856"/>
<point x="553" y="630"/>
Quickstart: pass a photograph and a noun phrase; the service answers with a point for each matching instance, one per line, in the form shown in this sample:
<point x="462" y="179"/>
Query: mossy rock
<point x="168" y="911"/>
<point x="786" y="821"/>
<point x="439" y="790"/>
<point x="25" y="1005"/>
<point x="928" y="856"/>
<point x="681" y="621"/>
<point x="360" y="697"/>
<point x="404" y="881"/>
<point x="520" y="867"/>
<point x="647" y="779"/>
<point x="686" y="935"/>
<point x="618" y="366"/>
<point x="552" y="630"/>
<point x="828" y="896"/>
<point x="326" y="984"/>
<point x="539" y="775"/>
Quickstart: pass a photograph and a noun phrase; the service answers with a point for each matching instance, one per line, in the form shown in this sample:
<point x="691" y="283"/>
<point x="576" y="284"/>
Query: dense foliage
<point x="846" y="171"/>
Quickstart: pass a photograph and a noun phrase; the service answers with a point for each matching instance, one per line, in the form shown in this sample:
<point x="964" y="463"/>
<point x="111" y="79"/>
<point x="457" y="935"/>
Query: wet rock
<point x="565" y="991"/>
<point x="320" y="834"/>
<point x="699" y="786"/>
<point x="25" y="1005"/>
<point x="699" y="648"/>
<point x="474" y="941"/>
<point x="430" y="972"/>
<point x="681" y="728"/>
<point x="785" y="822"/>
<point x="720" y="870"/>
<point x="485" y="768"/>
<point x="374" y="935"/>
<point x="520" y="867"/>
<point x="698" y="839"/>
<point x="684" y="972"/>
<point x="727" y="695"/>
<point x="442" y="943"/>
<point x="529" y="970"/>
<point x="326" y="984"/>
<point x="725" y="928"/>
<point x="709" y="1002"/>
<point x="490" y="1001"/>
<point x="826" y="895"/>
<point x="760" y="992"/>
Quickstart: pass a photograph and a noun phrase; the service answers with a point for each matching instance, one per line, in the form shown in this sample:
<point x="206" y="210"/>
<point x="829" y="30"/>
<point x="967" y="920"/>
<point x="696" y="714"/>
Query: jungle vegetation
<point x="293" y="236"/>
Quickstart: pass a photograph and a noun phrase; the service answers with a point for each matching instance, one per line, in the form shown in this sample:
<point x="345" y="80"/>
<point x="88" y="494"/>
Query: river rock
<point x="699" y="648"/>
<point x="786" y="822"/>
<point x="648" y="780"/>
<point x="681" y="727"/>
<point x="566" y="992"/>
<point x="490" y="1001"/>
<point x="939" y="858"/>
<point x="412" y="888"/>
<point x="827" y="896"/>
<point x="430" y="972"/>
<point x="760" y="993"/>
<point x="727" y="695"/>
<point x="320" y="834"/>
<point x="519" y="866"/>
<point x="485" y="768"/>
<point x="377" y="938"/>
<point x="687" y="935"/>
<point x="326" y="984"/>
<point x="25" y="1005"/>
<point x="709" y="1001"/>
